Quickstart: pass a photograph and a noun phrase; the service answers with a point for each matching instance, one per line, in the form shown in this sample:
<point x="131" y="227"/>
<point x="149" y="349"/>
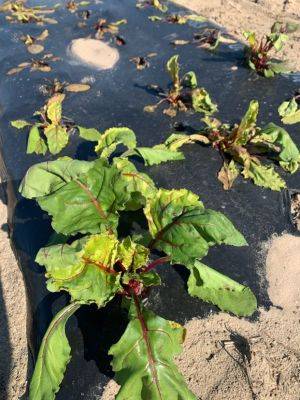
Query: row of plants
<point x="85" y="200"/>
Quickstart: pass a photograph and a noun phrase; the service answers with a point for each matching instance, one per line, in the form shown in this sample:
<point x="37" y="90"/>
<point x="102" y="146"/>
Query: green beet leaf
<point x="214" y="287"/>
<point x="157" y="154"/>
<point x="143" y="359"/>
<point x="84" y="269"/>
<point x="289" y="112"/>
<point x="289" y="155"/>
<point x="57" y="138"/>
<point x="112" y="137"/>
<point x="136" y="187"/>
<point x="19" y="123"/>
<point x="202" y="102"/>
<point x="53" y="357"/>
<point x="36" y="143"/>
<point x="182" y="228"/>
<point x="173" y="70"/>
<point x="247" y="124"/>
<point x="91" y="134"/>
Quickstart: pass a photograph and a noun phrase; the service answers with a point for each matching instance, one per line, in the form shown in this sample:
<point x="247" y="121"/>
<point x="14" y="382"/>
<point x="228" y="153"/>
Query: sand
<point x="13" y="343"/>
<point x="213" y="365"/>
<point x="94" y="53"/>
<point x="258" y="15"/>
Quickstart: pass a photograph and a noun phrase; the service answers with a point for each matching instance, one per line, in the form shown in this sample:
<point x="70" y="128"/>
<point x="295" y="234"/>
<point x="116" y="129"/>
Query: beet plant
<point x="244" y="146"/>
<point x="86" y="199"/>
<point x="184" y="93"/>
<point x="258" y="52"/>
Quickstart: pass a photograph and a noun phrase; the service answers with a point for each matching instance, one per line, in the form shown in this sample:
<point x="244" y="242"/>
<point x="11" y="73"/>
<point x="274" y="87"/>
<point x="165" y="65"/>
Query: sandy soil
<point x="225" y="357"/>
<point x="13" y="344"/>
<point x="94" y="53"/>
<point x="258" y="15"/>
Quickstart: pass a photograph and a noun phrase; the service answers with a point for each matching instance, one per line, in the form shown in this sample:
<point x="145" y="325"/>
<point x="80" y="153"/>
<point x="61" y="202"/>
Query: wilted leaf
<point x="228" y="174"/>
<point x="77" y="87"/>
<point x="289" y="155"/>
<point x="35" y="48"/>
<point x="53" y="357"/>
<point x="202" y="102"/>
<point x="214" y="287"/>
<point x="190" y="80"/>
<point x="247" y="124"/>
<point x="143" y="358"/>
<point x="182" y="228"/>
<point x="264" y="176"/>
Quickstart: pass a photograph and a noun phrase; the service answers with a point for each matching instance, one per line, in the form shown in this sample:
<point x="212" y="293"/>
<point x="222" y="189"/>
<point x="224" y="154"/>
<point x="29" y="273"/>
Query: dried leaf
<point x="77" y="87"/>
<point x="14" y="71"/>
<point x="35" y="48"/>
<point x="180" y="42"/>
<point x="228" y="174"/>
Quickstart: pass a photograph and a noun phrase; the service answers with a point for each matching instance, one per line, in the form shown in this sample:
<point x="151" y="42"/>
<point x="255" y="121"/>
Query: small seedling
<point x="33" y="44"/>
<point x="184" y="93"/>
<point x="208" y="39"/>
<point x="87" y="198"/>
<point x="244" y="145"/>
<point x="158" y="4"/>
<point x="18" y="12"/>
<point x="142" y="62"/>
<point x="289" y="111"/>
<point x="178" y="18"/>
<point x="73" y="6"/>
<point x="102" y="27"/>
<point x="258" y="52"/>
<point x="52" y="87"/>
<point x="51" y="132"/>
<point x="41" y="65"/>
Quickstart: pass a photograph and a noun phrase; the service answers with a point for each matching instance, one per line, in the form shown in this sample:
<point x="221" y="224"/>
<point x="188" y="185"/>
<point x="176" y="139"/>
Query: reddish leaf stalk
<point x="157" y="262"/>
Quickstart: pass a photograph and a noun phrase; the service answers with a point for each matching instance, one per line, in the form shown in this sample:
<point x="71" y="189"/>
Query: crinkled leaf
<point x="132" y="255"/>
<point x="214" y="287"/>
<point x="84" y="269"/>
<point x="57" y="138"/>
<point x="54" y="108"/>
<point x="182" y="228"/>
<point x="263" y="175"/>
<point x="112" y="137"/>
<point x="90" y="134"/>
<point x="53" y="357"/>
<point x="143" y="359"/>
<point x="292" y="118"/>
<point x="20" y="123"/>
<point x="289" y="155"/>
<point x="247" y="124"/>
<point x="228" y="174"/>
<point x="202" y="102"/>
<point x="36" y="143"/>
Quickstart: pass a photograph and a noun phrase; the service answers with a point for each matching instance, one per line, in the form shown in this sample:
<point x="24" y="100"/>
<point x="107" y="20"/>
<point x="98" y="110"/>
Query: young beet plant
<point x="184" y="93"/>
<point x="86" y="198"/>
<point x="244" y="145"/>
<point x="258" y="52"/>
